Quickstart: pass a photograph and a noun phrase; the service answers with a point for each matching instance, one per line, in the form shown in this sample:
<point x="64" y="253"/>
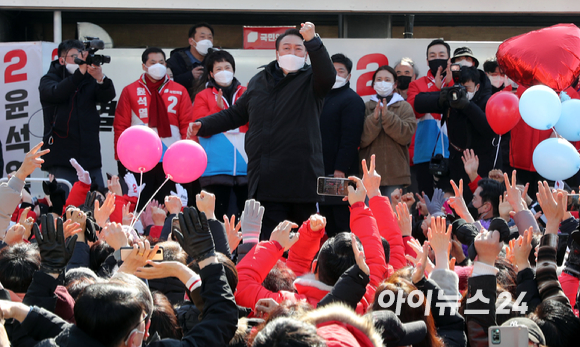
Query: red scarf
<point x="158" y="117"/>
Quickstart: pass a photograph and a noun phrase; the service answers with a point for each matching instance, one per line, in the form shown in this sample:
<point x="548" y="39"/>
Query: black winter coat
<point x="283" y="141"/>
<point x="181" y="68"/>
<point x="71" y="118"/>
<point x="341" y="126"/>
<point x="467" y="128"/>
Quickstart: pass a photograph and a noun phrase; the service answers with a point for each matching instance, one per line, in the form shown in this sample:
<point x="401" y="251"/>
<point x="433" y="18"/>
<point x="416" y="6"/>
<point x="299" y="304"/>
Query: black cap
<point x="396" y="333"/>
<point x="534" y="332"/>
<point x="465" y="232"/>
<point x="465" y="52"/>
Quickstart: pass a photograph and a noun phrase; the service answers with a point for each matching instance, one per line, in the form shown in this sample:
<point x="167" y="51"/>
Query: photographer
<point x="69" y="94"/>
<point x="464" y="106"/>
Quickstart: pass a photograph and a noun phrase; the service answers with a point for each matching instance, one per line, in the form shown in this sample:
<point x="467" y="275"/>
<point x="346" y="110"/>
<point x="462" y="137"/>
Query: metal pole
<point x="389" y="26"/>
<point x="340" y="26"/>
<point x="57" y="26"/>
<point x="409" y="23"/>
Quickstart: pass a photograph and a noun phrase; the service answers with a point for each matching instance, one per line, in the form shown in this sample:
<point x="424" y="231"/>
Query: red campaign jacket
<point x="524" y="138"/>
<point x="78" y="195"/>
<point x="206" y="104"/>
<point x="133" y="107"/>
<point x="302" y="253"/>
<point x="256" y="265"/>
<point x="389" y="229"/>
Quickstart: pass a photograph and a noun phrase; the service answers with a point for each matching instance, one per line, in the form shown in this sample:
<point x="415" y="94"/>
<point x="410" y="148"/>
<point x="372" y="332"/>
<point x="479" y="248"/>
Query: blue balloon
<point x="540" y="107"/>
<point x="556" y="159"/>
<point x="569" y="123"/>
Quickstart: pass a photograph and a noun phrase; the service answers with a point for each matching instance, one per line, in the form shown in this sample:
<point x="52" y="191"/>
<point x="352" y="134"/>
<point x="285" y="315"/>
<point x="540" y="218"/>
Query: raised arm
<point x="323" y="71"/>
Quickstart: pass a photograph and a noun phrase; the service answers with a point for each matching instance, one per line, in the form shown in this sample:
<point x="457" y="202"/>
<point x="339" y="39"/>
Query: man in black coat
<point x="341" y="126"/>
<point x="282" y="105"/>
<point x="467" y="124"/>
<point x="69" y="94"/>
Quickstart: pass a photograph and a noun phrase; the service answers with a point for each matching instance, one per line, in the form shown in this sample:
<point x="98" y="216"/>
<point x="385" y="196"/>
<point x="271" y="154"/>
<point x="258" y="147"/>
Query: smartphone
<point x="109" y="176"/>
<point x="573" y="202"/>
<point x="334" y="186"/>
<point x="535" y="208"/>
<point x="125" y="251"/>
<point x="513" y="336"/>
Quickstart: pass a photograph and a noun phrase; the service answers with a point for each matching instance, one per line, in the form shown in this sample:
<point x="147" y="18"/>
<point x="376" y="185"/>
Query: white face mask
<point x="157" y="71"/>
<point x="203" y="46"/>
<point x="384" y="88"/>
<point x="224" y="78"/>
<point x="340" y="81"/>
<point x="291" y="62"/>
<point x="464" y="63"/>
<point x="470" y="95"/>
<point x="497" y="81"/>
<point x="71" y="68"/>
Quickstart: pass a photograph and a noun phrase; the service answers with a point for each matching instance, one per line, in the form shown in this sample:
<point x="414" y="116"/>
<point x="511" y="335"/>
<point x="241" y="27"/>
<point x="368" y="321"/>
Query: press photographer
<point x="463" y="108"/>
<point x="69" y="93"/>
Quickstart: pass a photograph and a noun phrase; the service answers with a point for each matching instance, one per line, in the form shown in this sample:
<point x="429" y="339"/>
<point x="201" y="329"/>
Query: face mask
<point x="340" y="81"/>
<point x="203" y="46"/>
<point x="383" y="88"/>
<point x="224" y="78"/>
<point x="470" y="95"/>
<point x="464" y="63"/>
<point x="71" y="68"/>
<point x="497" y="81"/>
<point x="435" y="63"/>
<point x="473" y="211"/>
<point x="291" y="62"/>
<point x="403" y="82"/>
<point x="157" y="71"/>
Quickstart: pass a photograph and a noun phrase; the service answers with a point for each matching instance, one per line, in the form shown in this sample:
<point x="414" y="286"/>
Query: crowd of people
<point x="442" y="237"/>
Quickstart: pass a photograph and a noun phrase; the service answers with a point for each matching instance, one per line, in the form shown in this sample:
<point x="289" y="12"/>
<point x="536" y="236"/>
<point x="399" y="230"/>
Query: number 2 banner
<point x="22" y="68"/>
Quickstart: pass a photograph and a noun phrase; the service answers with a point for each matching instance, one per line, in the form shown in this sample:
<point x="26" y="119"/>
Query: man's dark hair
<point x="67" y="45"/>
<point x="163" y="320"/>
<point x="292" y="31"/>
<point x="18" y="263"/>
<point x="193" y="29"/>
<point x="439" y="42"/>
<point x="558" y="323"/>
<point x="387" y="249"/>
<point x="385" y="68"/>
<point x="76" y="280"/>
<point x="218" y="56"/>
<point x="490" y="65"/>
<point x="107" y="312"/>
<point x="281" y="277"/>
<point x="342" y="59"/>
<point x="490" y="192"/>
<point x="335" y="257"/>
<point x="469" y="74"/>
<point x="98" y="253"/>
<point x="145" y="55"/>
<point x="288" y="332"/>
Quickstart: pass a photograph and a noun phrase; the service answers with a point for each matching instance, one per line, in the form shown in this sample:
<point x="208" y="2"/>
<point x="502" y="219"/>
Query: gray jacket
<point x="10" y="195"/>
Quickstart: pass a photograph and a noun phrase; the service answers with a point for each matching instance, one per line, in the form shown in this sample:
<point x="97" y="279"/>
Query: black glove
<point x="54" y="252"/>
<point x="90" y="230"/>
<point x="193" y="234"/>
<point x="461" y="102"/>
<point x="443" y="97"/>
<point x="89" y="205"/>
<point x="57" y="196"/>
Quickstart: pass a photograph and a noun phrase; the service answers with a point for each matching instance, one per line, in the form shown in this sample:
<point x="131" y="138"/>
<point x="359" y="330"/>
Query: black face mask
<point x="434" y="65"/>
<point x="403" y="82"/>
<point x="473" y="211"/>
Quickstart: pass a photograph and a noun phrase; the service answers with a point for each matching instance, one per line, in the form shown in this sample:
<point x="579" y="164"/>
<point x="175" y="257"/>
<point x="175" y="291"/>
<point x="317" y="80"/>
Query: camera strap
<point x="440" y="136"/>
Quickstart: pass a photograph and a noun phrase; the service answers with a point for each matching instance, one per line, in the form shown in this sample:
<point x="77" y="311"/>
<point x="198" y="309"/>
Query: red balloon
<point x="503" y="112"/>
<point x="549" y="56"/>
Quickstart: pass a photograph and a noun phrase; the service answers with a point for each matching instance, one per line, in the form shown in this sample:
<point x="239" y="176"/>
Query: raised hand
<point x="191" y="230"/>
<point x="440" y="241"/>
<point x="435" y="204"/>
<point x="26" y="222"/>
<point x="522" y="248"/>
<point x="181" y="194"/>
<point x="82" y="174"/>
<point x="458" y="203"/>
<point x="358" y="194"/>
<point x="127" y="214"/>
<point x="233" y="232"/>
<point x="404" y="219"/>
<point x="554" y="208"/>
<point x="14" y="235"/>
<point x="283" y="236"/>
<point x="359" y="255"/>
<point x="496" y="175"/>
<point x="504" y="207"/>
<point x="115" y="186"/>
<point x="31" y="162"/>
<point x="173" y="204"/>
<point x="307" y="30"/>
<point x="55" y="252"/>
<point x="205" y="203"/>
<point x="251" y="221"/>
<point x="470" y="163"/>
<point x="513" y="194"/>
<point x="103" y="213"/>
<point x="133" y="188"/>
<point x="193" y="129"/>
<point x="220" y="99"/>
<point x="265" y="306"/>
<point x="371" y="179"/>
<point x="114" y="235"/>
<point x="141" y="253"/>
<point x="158" y="215"/>
<point x="421" y="263"/>
<point x="488" y="246"/>
<point x="317" y="222"/>
<point x="422" y="252"/>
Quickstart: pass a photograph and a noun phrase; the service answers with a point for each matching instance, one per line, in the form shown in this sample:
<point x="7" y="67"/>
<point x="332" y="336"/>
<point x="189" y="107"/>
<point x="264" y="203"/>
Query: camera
<point x="457" y="90"/>
<point x="93" y="44"/>
<point x="439" y="165"/>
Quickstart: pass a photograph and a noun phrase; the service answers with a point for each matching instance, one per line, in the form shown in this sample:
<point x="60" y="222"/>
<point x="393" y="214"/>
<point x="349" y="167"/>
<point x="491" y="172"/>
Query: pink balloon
<point x="139" y="148"/>
<point x="184" y="161"/>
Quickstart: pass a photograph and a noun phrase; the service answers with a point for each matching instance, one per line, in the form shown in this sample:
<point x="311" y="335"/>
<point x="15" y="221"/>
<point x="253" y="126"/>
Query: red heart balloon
<point x="503" y="112"/>
<point x="549" y="56"/>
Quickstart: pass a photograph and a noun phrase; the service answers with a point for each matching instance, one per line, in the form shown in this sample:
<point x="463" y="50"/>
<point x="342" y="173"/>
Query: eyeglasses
<point x="136" y="330"/>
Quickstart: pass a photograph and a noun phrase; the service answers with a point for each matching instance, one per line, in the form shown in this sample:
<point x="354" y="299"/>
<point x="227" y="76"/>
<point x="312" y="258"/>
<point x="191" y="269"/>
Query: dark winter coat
<point x="71" y="119"/>
<point x="283" y="141"/>
<point x="181" y="67"/>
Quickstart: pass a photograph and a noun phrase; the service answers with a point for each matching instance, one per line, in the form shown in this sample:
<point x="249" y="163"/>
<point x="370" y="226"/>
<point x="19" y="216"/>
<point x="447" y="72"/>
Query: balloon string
<point x="151" y="198"/>
<point x="497" y="151"/>
<point x="554" y="130"/>
<point x="134" y="220"/>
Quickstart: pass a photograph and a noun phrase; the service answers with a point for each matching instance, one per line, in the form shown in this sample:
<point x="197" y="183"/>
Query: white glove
<point x="181" y="194"/>
<point x="252" y="221"/>
<point x="82" y="174"/>
<point x="134" y="189"/>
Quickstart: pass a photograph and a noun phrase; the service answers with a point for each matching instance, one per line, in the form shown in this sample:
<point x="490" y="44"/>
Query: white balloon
<point x="569" y="123"/>
<point x="540" y="107"/>
<point x="556" y="159"/>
